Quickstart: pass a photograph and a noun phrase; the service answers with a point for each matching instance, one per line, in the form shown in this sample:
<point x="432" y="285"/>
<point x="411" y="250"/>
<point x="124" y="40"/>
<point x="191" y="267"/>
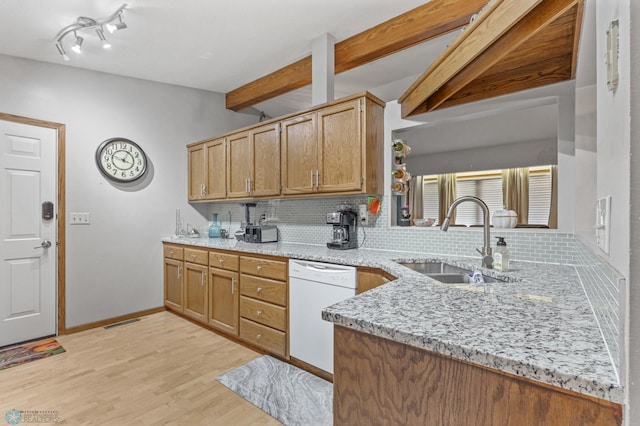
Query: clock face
<point x="121" y="160"/>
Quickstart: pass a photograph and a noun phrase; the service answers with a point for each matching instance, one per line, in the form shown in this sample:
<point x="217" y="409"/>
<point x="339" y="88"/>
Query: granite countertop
<point x="539" y="326"/>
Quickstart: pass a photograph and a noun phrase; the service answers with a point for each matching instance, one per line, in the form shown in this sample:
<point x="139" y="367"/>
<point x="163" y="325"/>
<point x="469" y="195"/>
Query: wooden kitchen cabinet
<point x="196" y="289"/>
<point x="216" y="169"/>
<point x="224" y="300"/>
<point x="263" y="303"/>
<point x="336" y="149"/>
<point x="402" y="384"/>
<point x="173" y="284"/>
<point x="239" y="165"/>
<point x="370" y="278"/>
<point x="197" y="168"/>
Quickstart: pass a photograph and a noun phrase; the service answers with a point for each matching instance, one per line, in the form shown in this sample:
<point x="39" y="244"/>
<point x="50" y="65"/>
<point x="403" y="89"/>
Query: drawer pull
<point x="259" y="267"/>
<point x="221" y="260"/>
<point x="259" y="290"/>
<point x="193" y="256"/>
<point x="258" y="336"/>
<point x="258" y="313"/>
<point x="171" y="252"/>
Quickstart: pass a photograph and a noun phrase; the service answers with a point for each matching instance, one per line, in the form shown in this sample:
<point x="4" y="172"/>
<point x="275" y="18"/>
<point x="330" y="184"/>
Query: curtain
<point x="416" y="202"/>
<point x="553" y="209"/>
<point x="446" y="195"/>
<point x="515" y="192"/>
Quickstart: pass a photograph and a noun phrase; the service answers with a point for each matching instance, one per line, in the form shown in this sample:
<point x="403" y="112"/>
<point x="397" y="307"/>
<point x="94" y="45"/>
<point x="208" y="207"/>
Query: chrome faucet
<point x="487" y="259"/>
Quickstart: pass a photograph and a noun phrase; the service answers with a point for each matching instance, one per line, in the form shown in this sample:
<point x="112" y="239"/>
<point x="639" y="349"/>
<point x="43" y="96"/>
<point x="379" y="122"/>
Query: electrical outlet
<point x="363" y="215"/>
<point x="79" y="218"/>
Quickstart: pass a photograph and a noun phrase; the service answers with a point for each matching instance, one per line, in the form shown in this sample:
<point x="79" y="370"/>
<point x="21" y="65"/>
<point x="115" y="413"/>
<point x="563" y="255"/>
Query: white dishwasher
<point x="312" y="287"/>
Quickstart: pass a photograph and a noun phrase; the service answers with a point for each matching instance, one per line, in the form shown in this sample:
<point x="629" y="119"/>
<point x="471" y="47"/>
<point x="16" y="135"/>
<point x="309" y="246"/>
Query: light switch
<point x="79" y="218"/>
<point x="363" y="216"/>
<point x="603" y="222"/>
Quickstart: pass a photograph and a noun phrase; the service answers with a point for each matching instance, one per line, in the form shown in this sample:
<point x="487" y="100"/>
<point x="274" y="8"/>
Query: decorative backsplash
<point x="303" y="221"/>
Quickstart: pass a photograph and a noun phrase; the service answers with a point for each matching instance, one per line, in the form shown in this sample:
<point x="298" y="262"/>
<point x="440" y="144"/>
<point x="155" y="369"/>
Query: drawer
<point x="263" y="313"/>
<point x="263" y="336"/>
<point x="200" y="257"/>
<point x="173" y="252"/>
<point x="223" y="261"/>
<point x="264" y="268"/>
<point x="263" y="289"/>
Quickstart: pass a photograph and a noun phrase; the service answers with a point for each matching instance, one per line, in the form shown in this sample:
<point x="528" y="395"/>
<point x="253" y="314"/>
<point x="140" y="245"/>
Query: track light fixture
<point x="88" y="25"/>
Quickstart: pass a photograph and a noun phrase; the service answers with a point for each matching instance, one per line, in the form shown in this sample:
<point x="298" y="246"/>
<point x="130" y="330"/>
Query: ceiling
<point x="221" y="45"/>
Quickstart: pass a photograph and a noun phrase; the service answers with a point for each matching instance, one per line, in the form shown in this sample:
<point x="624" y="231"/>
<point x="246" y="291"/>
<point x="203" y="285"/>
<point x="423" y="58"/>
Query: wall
<point x="586" y="154"/>
<point x="632" y="317"/>
<point x="113" y="265"/>
<point x="522" y="154"/>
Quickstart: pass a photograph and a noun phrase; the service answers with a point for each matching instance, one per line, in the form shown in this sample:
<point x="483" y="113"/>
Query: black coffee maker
<point x="345" y="229"/>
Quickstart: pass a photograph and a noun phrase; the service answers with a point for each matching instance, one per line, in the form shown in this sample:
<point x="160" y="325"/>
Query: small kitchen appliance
<point x="255" y="233"/>
<point x="345" y="230"/>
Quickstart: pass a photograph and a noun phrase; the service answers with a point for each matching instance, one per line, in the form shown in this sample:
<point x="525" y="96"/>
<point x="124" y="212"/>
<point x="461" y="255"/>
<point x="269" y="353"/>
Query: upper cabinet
<point x="330" y="149"/>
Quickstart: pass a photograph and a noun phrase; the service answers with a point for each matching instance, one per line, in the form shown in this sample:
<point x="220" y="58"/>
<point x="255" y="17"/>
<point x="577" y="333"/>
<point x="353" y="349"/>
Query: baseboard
<point x="113" y="320"/>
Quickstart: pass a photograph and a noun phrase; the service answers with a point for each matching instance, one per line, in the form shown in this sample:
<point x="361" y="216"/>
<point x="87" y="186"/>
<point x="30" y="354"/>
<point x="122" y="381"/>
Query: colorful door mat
<point x="18" y="355"/>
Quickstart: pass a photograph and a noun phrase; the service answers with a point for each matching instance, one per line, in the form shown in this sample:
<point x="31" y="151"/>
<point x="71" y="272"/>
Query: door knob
<point x="45" y="245"/>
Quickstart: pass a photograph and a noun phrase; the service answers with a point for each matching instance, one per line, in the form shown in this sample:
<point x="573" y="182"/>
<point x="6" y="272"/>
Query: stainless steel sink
<point x="446" y="273"/>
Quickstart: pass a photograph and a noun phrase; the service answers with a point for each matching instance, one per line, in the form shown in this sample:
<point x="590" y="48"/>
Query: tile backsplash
<point x="303" y="221"/>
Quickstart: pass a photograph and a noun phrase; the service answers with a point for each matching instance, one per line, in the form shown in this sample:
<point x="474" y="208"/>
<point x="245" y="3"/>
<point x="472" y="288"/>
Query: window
<point x="487" y="185"/>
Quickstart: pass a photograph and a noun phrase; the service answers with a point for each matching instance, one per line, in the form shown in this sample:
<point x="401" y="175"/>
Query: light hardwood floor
<point x="160" y="370"/>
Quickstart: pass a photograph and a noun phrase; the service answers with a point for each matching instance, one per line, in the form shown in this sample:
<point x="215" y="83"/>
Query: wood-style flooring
<point x="160" y="370"/>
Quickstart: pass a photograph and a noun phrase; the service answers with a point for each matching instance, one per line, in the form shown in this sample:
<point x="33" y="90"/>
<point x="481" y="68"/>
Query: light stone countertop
<point x="540" y="326"/>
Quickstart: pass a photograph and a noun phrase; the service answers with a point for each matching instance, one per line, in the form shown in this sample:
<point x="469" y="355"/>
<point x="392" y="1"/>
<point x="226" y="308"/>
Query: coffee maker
<point x="345" y="230"/>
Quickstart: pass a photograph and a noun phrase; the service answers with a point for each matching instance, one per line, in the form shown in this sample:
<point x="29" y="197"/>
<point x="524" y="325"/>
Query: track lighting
<point x="77" y="47"/>
<point x="61" y="51"/>
<point x="103" y="39"/>
<point x="88" y="25"/>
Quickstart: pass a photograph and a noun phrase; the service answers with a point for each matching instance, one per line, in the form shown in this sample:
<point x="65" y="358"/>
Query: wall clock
<point x="121" y="160"/>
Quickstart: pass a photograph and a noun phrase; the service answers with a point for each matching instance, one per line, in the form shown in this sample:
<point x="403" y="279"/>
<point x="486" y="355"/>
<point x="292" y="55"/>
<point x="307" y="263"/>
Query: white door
<point x="28" y="178"/>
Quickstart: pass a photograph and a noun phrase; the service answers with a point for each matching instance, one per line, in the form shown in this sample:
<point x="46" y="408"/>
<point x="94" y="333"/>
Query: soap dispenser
<point x="501" y="255"/>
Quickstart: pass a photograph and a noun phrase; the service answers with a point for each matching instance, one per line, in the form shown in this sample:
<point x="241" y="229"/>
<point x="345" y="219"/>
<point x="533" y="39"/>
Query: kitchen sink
<point x="446" y="273"/>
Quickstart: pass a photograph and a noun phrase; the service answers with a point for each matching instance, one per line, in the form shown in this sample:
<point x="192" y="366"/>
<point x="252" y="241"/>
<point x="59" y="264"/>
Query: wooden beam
<point x="526" y="28"/>
<point x="416" y="26"/>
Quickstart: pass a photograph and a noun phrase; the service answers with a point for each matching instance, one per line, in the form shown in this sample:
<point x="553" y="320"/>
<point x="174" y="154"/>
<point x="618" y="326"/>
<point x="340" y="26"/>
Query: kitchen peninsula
<point x="537" y="330"/>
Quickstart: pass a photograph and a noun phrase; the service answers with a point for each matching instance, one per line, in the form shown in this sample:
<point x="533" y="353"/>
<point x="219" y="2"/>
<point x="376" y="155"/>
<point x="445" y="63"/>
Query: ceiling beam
<point x="416" y="26"/>
<point x="501" y="30"/>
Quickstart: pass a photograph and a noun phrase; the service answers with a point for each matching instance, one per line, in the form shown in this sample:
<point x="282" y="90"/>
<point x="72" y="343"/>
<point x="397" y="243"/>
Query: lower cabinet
<point x="243" y="296"/>
<point x="173" y="277"/>
<point x="263" y="303"/>
<point x="223" y="300"/>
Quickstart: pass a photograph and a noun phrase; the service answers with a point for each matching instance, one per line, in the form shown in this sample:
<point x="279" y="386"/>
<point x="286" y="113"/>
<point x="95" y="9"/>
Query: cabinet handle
<point x="258" y="313"/>
<point x="246" y="185"/>
<point x="258" y="336"/>
<point x="204" y="189"/>
<point x="250" y="184"/>
<point x="312" y="178"/>
<point x="171" y="252"/>
<point x="221" y="260"/>
<point x="259" y="267"/>
<point x="259" y="290"/>
<point x="202" y="279"/>
<point x="179" y="271"/>
<point x="233" y="285"/>
<point x="193" y="256"/>
<point x="317" y="178"/>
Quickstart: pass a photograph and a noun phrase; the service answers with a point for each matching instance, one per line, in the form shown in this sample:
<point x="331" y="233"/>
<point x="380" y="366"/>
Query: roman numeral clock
<point x="121" y="160"/>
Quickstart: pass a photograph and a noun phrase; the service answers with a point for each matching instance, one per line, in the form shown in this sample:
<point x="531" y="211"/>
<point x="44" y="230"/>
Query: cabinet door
<point x="239" y="165"/>
<point x="299" y="154"/>
<point x="265" y="179"/>
<point x="340" y="148"/>
<point x="223" y="300"/>
<point x="216" y="160"/>
<point x="195" y="291"/>
<point x="197" y="172"/>
<point x="173" y="284"/>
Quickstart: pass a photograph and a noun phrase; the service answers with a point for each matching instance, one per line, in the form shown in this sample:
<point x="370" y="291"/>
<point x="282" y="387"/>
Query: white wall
<point x="586" y="153"/>
<point x="521" y="154"/>
<point x="633" y="295"/>
<point x="613" y="132"/>
<point x="114" y="265"/>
